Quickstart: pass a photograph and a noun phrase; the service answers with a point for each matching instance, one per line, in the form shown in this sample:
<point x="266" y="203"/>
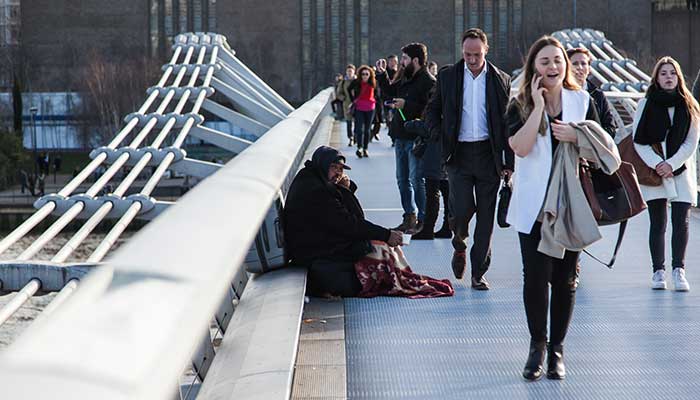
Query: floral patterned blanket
<point x="385" y="272"/>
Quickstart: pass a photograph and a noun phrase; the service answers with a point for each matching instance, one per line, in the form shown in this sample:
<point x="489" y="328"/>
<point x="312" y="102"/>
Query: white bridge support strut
<point x="127" y="327"/>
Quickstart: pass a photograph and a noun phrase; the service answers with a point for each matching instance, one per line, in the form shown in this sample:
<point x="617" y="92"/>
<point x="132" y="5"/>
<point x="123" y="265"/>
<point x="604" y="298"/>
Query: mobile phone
<point x="537" y="75"/>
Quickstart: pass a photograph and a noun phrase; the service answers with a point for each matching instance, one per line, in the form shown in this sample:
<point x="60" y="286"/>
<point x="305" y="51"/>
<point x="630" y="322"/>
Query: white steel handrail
<point x="135" y="322"/>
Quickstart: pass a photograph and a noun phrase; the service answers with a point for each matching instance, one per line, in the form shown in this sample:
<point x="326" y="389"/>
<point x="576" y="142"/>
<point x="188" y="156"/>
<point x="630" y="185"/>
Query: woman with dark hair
<point x="538" y="120"/>
<point x="363" y="93"/>
<point x="665" y="133"/>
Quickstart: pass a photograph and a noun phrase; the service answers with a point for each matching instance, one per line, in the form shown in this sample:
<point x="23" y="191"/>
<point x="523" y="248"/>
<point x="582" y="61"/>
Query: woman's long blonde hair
<point x="691" y="103"/>
<point x="524" y="97"/>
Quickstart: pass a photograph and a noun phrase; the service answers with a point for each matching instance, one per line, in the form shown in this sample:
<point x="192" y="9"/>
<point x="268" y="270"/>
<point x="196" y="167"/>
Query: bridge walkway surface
<point x="625" y="341"/>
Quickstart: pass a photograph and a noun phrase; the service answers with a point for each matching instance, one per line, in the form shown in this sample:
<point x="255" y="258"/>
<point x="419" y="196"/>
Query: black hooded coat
<point x="323" y="220"/>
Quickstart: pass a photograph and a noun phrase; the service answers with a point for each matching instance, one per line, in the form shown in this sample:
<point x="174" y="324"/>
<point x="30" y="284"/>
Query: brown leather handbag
<point x="613" y="198"/>
<point x="645" y="175"/>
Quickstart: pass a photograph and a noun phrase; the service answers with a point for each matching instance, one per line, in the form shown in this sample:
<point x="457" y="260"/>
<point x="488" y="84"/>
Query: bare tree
<point x="111" y="90"/>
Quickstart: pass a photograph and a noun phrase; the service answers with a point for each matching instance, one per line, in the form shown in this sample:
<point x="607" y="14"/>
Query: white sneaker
<point x="658" y="280"/>
<point x="680" y="284"/>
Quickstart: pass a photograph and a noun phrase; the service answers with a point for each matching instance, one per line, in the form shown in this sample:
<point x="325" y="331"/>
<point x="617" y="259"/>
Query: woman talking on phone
<point x="538" y="121"/>
<point x="666" y="138"/>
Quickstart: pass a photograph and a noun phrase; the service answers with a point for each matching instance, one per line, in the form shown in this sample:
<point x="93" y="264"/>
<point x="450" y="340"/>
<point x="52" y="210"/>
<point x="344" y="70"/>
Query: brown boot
<point x="459" y="263"/>
<point x="408" y="225"/>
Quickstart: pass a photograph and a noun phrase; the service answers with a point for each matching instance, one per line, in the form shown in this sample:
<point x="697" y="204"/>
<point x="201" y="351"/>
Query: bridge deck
<point x="625" y="342"/>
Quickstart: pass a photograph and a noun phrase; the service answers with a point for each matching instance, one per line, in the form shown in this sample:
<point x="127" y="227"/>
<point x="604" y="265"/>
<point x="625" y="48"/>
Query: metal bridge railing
<point x="137" y="320"/>
<point x="170" y="114"/>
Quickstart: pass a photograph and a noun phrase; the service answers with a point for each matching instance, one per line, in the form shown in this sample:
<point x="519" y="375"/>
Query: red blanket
<point x="385" y="272"/>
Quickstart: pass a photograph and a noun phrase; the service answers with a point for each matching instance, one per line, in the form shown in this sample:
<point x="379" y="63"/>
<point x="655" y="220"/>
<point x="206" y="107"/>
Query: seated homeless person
<point x="326" y="231"/>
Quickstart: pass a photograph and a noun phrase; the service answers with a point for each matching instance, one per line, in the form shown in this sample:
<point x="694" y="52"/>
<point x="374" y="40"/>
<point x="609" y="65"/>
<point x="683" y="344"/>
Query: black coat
<point x="322" y="219"/>
<point x="603" y="109"/>
<point x="444" y="112"/>
<point x="416" y="91"/>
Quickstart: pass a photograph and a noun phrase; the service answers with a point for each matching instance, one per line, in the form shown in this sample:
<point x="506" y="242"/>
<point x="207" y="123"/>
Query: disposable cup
<point x="406" y="239"/>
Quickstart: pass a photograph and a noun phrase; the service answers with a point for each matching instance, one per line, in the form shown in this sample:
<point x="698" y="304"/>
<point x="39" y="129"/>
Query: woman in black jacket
<point x="581" y="67"/>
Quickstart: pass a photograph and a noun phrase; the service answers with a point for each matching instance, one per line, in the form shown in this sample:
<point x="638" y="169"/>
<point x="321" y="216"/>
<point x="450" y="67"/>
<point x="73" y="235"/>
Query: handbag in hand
<point x="645" y="175"/>
<point x="613" y="198"/>
<point x="503" y="201"/>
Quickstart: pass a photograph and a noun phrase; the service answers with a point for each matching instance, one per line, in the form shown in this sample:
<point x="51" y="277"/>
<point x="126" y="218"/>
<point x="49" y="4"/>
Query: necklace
<point x="553" y="109"/>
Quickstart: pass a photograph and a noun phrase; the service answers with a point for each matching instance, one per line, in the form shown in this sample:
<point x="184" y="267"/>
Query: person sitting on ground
<point x="326" y="231"/>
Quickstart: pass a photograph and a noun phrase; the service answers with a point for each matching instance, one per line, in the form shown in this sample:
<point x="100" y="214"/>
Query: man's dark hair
<point x="475" y="33"/>
<point x="431" y="63"/>
<point x="392" y="56"/>
<point x="416" y="50"/>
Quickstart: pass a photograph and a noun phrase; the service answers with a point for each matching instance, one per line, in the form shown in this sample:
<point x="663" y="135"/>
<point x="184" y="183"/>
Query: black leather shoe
<point x="555" y="362"/>
<point x="533" y="366"/>
<point x="480" y="283"/>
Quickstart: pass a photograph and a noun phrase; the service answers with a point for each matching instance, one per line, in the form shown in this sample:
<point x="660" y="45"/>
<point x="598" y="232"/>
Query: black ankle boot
<point x="444" y="232"/>
<point x="425" y="234"/>
<point x="533" y="367"/>
<point x="555" y="361"/>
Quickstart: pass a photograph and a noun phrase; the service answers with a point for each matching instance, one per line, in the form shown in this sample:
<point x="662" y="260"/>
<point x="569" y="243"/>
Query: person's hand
<point x="344" y="181"/>
<point x="399" y="103"/>
<point x="395" y="238"/>
<point x="664" y="169"/>
<point x="564" y="132"/>
<point x="381" y="65"/>
<point x="537" y="92"/>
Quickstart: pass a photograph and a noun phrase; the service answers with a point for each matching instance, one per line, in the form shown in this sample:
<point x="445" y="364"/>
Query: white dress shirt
<point x="474" y="126"/>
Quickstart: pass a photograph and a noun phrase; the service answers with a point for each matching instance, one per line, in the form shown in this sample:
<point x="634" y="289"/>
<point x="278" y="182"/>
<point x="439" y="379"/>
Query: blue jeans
<point x="409" y="177"/>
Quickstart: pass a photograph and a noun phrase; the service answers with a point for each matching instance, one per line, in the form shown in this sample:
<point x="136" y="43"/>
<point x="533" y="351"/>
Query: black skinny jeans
<point x="539" y="270"/>
<point x="363" y="120"/>
<point x="658" y="217"/>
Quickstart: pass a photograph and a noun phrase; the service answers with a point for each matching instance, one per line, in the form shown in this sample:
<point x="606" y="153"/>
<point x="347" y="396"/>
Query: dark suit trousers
<point x="474" y="185"/>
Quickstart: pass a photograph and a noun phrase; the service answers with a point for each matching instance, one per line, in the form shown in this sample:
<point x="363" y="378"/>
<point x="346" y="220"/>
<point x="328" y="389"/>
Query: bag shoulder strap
<point x="620" y="235"/>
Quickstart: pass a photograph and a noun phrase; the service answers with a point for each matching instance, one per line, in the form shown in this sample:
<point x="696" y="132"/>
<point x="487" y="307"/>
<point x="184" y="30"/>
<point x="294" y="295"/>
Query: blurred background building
<point x="69" y="46"/>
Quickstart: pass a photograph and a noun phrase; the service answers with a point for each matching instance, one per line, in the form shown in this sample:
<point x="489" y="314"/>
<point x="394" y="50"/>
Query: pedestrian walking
<point x="343" y="94"/>
<point x="466" y="111"/>
<point x="363" y="95"/>
<point x="410" y="90"/>
<point x="337" y="104"/>
<point x="581" y="66"/>
<point x="548" y="99"/>
<point x="666" y="129"/>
